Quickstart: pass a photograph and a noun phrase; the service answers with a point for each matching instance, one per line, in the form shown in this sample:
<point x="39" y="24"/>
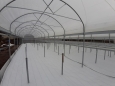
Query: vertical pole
<point x="69" y="46"/>
<point x="9" y="48"/>
<point x="54" y="42"/>
<point x="64" y="42"/>
<point x="27" y="64"/>
<point x="91" y="43"/>
<point x="110" y="53"/>
<point x="17" y="42"/>
<point x="104" y="41"/>
<point x="104" y="54"/>
<point x="14" y="40"/>
<point x="37" y="46"/>
<point x="109" y="43"/>
<point x="56" y="46"/>
<point x="47" y="42"/>
<point x="78" y="43"/>
<point x="34" y="42"/>
<point x="96" y="55"/>
<point x="62" y="63"/>
<point x="22" y="41"/>
<point x="58" y="49"/>
<point x="44" y="51"/>
<point x="83" y="48"/>
<point x="69" y="49"/>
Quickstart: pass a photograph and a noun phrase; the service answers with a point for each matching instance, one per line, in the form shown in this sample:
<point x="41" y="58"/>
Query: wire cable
<point x="89" y="68"/>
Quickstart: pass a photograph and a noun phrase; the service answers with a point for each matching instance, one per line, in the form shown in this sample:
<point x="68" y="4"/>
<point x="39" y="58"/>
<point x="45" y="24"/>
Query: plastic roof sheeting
<point x="52" y="17"/>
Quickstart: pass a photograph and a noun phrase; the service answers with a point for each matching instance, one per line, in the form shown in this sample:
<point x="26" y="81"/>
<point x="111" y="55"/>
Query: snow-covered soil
<point x="46" y="71"/>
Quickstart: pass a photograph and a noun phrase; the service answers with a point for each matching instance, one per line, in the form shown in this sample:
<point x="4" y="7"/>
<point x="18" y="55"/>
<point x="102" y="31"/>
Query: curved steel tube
<point x="27" y="28"/>
<point x="7" y="5"/>
<point x="31" y="21"/>
<point x="30" y="28"/>
<point x="83" y="29"/>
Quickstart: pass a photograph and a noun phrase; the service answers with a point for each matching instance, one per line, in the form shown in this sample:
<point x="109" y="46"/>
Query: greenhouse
<point x="57" y="42"/>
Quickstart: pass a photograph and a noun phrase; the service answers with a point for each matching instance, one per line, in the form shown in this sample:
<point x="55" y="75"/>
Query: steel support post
<point x="64" y="42"/>
<point x="9" y="48"/>
<point x="83" y="48"/>
<point x="27" y="64"/>
<point x="96" y="55"/>
<point x="104" y="54"/>
<point x="37" y="46"/>
<point x="109" y="43"/>
<point x="44" y="46"/>
<point x="110" y="53"/>
<point x="78" y="43"/>
<point x="22" y="41"/>
<point x="54" y="42"/>
<point x="91" y="43"/>
<point x="69" y="49"/>
<point x="104" y="41"/>
<point x="62" y="63"/>
<point x="14" y="41"/>
<point x="58" y="49"/>
<point x="17" y="42"/>
<point x="44" y="51"/>
<point x="34" y="42"/>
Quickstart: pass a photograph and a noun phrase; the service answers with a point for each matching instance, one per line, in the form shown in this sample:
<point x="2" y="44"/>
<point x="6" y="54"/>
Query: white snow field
<point x="46" y="71"/>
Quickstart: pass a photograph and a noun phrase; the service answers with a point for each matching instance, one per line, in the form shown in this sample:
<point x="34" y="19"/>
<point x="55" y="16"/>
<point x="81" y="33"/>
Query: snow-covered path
<point x="46" y="71"/>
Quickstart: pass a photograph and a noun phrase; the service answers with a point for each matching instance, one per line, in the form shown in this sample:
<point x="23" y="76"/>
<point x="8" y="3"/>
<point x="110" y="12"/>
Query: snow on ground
<point x="46" y="71"/>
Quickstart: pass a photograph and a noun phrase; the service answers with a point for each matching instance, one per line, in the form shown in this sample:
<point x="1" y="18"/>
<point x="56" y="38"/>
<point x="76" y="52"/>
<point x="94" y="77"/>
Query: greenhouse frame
<point x="57" y="42"/>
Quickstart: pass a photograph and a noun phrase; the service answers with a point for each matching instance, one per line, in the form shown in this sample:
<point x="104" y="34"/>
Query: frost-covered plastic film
<point x="54" y="17"/>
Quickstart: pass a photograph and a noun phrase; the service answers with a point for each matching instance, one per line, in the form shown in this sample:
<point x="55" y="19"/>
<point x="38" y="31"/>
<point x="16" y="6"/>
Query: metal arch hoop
<point x="6" y="5"/>
<point x="35" y="33"/>
<point x="40" y="22"/>
<point x="31" y="25"/>
<point x="27" y="28"/>
<point x="34" y="29"/>
<point x="56" y="20"/>
<point x="83" y="29"/>
<point x="31" y="21"/>
<point x="36" y="13"/>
